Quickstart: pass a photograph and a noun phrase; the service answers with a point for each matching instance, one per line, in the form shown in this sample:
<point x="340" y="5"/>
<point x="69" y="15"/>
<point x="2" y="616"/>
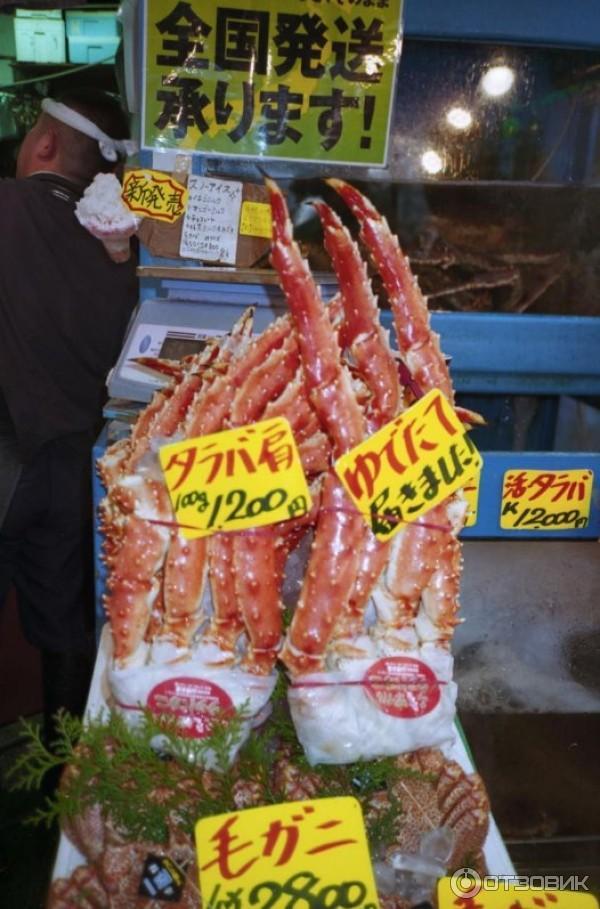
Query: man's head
<point x="54" y="146"/>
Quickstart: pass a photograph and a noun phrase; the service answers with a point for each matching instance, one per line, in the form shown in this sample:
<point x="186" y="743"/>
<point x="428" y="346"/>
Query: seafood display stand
<point x="492" y="354"/>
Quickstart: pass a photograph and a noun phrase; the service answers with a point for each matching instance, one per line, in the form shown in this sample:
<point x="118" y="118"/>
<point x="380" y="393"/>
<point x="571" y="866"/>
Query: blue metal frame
<point x="522" y="354"/>
<point x="492" y="353"/>
<point x="553" y="22"/>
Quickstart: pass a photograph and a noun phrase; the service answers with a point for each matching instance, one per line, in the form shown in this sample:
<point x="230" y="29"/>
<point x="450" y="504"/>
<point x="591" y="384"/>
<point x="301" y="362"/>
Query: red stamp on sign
<point x="197" y="703"/>
<point x="402" y="687"/>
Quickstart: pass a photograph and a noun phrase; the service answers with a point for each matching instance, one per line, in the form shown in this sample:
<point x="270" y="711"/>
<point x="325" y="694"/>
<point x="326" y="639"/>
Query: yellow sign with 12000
<point x="546" y="499"/>
<point x="238" y="478"/>
<point x="303" y="80"/>
<point x="310" y="853"/>
<point x="409" y="466"/>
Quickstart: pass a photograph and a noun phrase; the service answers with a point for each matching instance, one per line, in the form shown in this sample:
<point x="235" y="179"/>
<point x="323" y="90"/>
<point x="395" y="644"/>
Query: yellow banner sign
<point x="467" y="889"/>
<point x="238" y="478"/>
<point x="546" y="499"/>
<point x="154" y="194"/>
<point x="255" y="220"/>
<point x="304" y="80"/>
<point x="409" y="466"/>
<point x="298" y="853"/>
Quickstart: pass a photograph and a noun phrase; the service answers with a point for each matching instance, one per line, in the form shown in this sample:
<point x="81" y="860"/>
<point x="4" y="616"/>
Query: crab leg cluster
<point x="330" y="370"/>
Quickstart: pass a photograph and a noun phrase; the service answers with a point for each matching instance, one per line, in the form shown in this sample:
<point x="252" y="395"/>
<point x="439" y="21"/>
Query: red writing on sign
<point x="213" y="463"/>
<point x="529" y="488"/>
<point x="281" y="842"/>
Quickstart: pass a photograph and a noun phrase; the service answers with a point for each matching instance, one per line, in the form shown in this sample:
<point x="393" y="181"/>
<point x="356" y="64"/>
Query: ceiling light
<point x="431" y="161"/>
<point x="497" y="81"/>
<point x="459" y="118"/>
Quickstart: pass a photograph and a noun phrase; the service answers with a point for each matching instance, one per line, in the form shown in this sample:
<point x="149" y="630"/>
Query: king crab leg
<point x="425" y="563"/>
<point x="340" y="530"/>
<point x="417" y="343"/>
<point x="207" y="414"/>
<point x="251" y="595"/>
<point x="369" y="347"/>
<point x="361" y="332"/>
<point x="145" y="542"/>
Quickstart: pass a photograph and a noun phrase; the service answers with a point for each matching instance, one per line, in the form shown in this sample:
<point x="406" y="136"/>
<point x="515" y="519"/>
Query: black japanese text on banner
<point x="306" y="80"/>
<point x="409" y="466"/>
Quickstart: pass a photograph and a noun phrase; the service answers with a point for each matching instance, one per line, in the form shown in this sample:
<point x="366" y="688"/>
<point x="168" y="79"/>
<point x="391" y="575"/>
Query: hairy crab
<point x="431" y="794"/>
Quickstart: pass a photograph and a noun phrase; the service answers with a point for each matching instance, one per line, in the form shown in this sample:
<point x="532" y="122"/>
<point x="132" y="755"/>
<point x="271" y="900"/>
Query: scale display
<point x="162" y="341"/>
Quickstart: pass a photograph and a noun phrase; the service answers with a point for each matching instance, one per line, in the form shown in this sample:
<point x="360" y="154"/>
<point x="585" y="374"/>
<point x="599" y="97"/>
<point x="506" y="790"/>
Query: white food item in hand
<point x="102" y="211"/>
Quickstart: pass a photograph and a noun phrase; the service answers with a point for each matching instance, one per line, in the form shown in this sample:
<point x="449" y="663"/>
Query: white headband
<point x="110" y="149"/>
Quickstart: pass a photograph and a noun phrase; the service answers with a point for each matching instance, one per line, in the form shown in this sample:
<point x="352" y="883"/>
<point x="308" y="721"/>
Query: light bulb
<point x="497" y="81"/>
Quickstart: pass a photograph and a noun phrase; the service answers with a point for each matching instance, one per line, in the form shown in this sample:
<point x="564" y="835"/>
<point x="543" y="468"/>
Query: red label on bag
<point x="402" y="687"/>
<point x="197" y="703"/>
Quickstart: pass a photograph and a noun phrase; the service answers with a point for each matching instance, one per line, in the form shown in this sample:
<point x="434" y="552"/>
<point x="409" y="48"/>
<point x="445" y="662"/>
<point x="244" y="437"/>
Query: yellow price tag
<point x="467" y="889"/>
<point x="238" y="478"/>
<point x="154" y="195"/>
<point x="471" y="494"/>
<point x="546" y="499"/>
<point x="301" y="853"/>
<point x="401" y="472"/>
<point x="255" y="220"/>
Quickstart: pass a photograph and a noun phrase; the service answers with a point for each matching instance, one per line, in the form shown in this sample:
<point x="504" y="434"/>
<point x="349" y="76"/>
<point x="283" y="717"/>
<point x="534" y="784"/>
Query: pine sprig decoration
<point x="149" y="779"/>
<point x="143" y="778"/>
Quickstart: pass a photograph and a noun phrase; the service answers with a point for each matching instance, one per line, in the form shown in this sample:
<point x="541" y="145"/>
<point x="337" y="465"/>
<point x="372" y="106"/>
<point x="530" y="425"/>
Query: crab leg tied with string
<point x="368" y="644"/>
<point x="337" y="644"/>
<point x="340" y="532"/>
<point x="226" y="633"/>
<point x="434" y="555"/>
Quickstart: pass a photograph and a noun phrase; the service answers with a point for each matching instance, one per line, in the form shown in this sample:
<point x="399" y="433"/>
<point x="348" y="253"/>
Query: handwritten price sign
<point x="310" y="853"/>
<point x="411" y="464"/>
<point x="154" y="195"/>
<point x="235" y="479"/>
<point x="546" y="499"/>
<point x="255" y="220"/>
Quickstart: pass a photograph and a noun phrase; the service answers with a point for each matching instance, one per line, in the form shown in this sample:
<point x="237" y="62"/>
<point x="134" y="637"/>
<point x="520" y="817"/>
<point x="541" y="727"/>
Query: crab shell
<point x="447" y="796"/>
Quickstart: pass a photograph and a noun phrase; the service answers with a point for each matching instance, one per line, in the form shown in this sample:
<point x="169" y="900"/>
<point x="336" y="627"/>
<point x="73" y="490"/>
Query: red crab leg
<point x="266" y="382"/>
<point x="137" y="542"/>
<point x="228" y="561"/>
<point x="207" y="414"/>
<point x="425" y="564"/>
<point x="369" y="346"/>
<point x="131" y="586"/>
<point x="183" y="584"/>
<point x="259" y="554"/>
<point x="414" y="557"/>
<point x="329" y="387"/>
<point x="417" y="343"/>
<point x="340" y="529"/>
<point x="361" y="332"/>
<point x="226" y="624"/>
<point x="313" y="445"/>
